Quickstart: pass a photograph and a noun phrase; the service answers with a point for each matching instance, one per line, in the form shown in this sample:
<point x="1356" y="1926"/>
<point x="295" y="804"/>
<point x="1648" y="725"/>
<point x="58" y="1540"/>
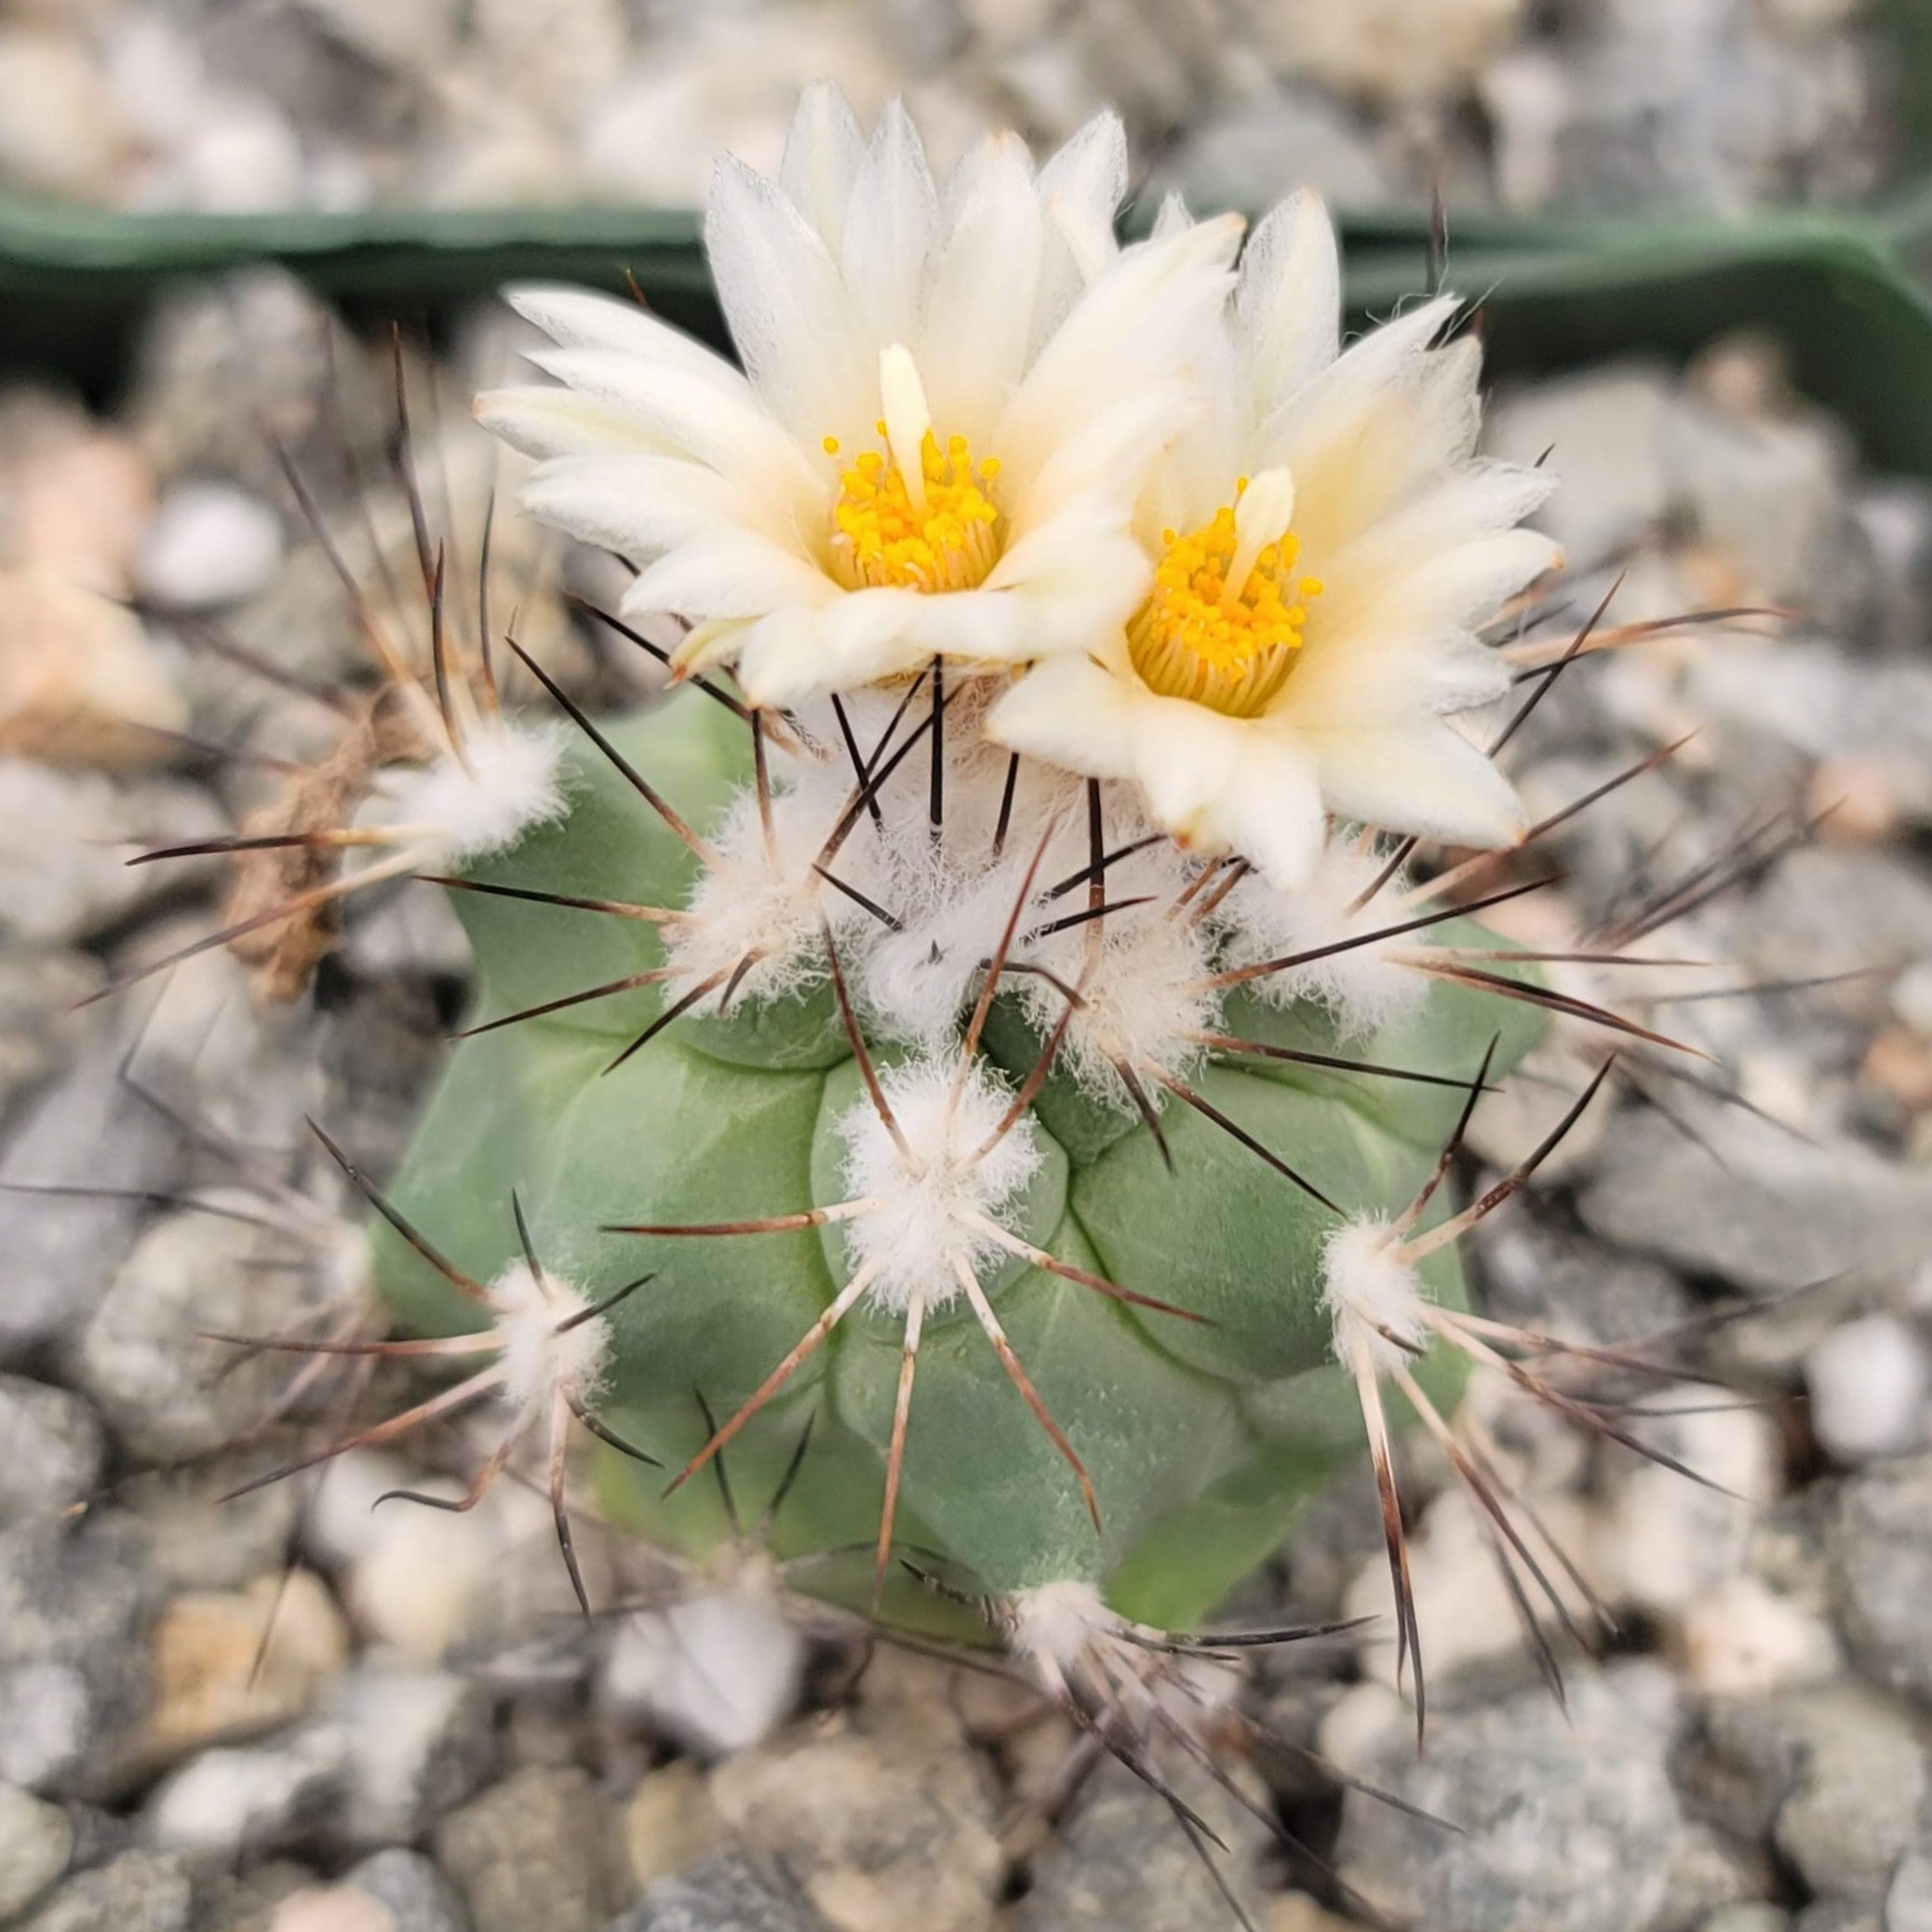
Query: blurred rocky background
<point x="1512" y="104"/>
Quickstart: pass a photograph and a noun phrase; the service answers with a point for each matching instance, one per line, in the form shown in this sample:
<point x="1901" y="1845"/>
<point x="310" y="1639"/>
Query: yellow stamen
<point x="1219" y="626"/>
<point x="921" y="517"/>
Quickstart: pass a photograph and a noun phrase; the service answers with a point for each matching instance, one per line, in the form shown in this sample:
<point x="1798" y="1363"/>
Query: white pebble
<point x="1741" y="1640"/>
<point x="210" y="544"/>
<point x="717" y="1672"/>
<point x="1868" y="1386"/>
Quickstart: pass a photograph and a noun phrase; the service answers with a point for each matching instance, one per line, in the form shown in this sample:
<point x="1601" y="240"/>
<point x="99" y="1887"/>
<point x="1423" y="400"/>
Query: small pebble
<point x="416" y="1895"/>
<point x="527" y="1856"/>
<point x="337" y="1909"/>
<point x="210" y="544"/>
<point x="669" y="1824"/>
<point x="717" y="1672"/>
<point x="36" y="1842"/>
<point x="1868" y="1383"/>
<point x="51" y="1450"/>
<point x="231" y="1664"/>
<point x="80" y="684"/>
<point x="137" y="1892"/>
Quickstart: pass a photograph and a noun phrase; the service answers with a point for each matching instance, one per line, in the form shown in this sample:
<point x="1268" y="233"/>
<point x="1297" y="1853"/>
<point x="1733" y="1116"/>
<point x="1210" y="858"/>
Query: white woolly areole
<point x="1079" y="1649"/>
<point x="541" y="1356"/>
<point x="924" y="1221"/>
<point x="1364" y="988"/>
<point x="505" y="783"/>
<point x="1374" y="1299"/>
<point x="1143" y="994"/>
<point x="754" y="904"/>
<point x="1054" y="1623"/>
<point x="952" y="895"/>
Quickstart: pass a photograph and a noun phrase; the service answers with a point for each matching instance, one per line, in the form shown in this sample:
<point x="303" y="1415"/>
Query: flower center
<point x="918" y="514"/>
<point x="1225" y="620"/>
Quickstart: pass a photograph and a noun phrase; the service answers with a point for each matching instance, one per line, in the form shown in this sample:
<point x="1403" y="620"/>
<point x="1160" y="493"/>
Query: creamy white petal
<point x="1288" y="305"/>
<point x="823" y="152"/>
<point x="1173" y="216"/>
<point x="689" y="416"/>
<point x="1187" y="757"/>
<point x="727" y="573"/>
<point x="1360" y="450"/>
<point x="854" y="639"/>
<point x="1108" y="458"/>
<point x="1134" y="325"/>
<point x="779" y="658"/>
<point x="575" y="318"/>
<point x="1071" y="713"/>
<point x="1219" y="782"/>
<point x="553" y="423"/>
<point x="1435" y="593"/>
<point x="979" y="317"/>
<point x="638" y="506"/>
<point x="1080" y="188"/>
<point x="1271" y="810"/>
<point x="1427" y="779"/>
<point x="791" y="318"/>
<point x="1383" y="683"/>
<point x="714" y="641"/>
<point x="1468" y="503"/>
<point x="1370" y="363"/>
<point x="1045" y="606"/>
<point x="890" y="229"/>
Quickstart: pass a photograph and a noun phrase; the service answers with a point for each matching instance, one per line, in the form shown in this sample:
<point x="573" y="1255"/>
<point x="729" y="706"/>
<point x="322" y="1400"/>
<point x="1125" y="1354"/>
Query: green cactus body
<point x="1202" y="1438"/>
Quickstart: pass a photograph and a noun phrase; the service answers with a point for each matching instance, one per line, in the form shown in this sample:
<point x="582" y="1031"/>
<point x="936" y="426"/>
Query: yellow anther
<point x="830" y="445"/>
<point x="1219" y="626"/>
<point x="947" y="538"/>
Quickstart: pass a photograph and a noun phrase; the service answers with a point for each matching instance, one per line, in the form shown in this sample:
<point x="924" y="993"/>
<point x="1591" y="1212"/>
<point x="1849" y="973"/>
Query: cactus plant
<point x="969" y="1054"/>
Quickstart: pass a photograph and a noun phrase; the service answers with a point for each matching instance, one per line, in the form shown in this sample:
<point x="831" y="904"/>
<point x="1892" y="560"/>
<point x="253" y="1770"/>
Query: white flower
<point x="1325" y="548"/>
<point x="951" y="396"/>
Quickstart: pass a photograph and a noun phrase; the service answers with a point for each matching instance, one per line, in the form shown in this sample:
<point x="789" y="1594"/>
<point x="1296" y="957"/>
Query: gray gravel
<point x="1561" y="1826"/>
<point x="335" y="104"/>
<point x="730" y="1891"/>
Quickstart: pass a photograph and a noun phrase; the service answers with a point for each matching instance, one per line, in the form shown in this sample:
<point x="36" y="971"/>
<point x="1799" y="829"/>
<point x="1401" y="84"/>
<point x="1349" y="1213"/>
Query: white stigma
<point x="505" y="783"/>
<point x="1376" y="1300"/>
<point x="546" y="1349"/>
<point x="1262" y="513"/>
<point x="931" y="1209"/>
<point x="907" y="418"/>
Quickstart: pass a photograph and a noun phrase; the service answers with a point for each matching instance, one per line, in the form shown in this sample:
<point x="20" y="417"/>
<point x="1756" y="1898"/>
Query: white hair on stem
<point x="935" y="1182"/>
<point x="1365" y="986"/>
<point x="760" y="901"/>
<point x="1373" y="1296"/>
<point x="549" y="1343"/>
<point x="1141" y="971"/>
<point x="471" y="802"/>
